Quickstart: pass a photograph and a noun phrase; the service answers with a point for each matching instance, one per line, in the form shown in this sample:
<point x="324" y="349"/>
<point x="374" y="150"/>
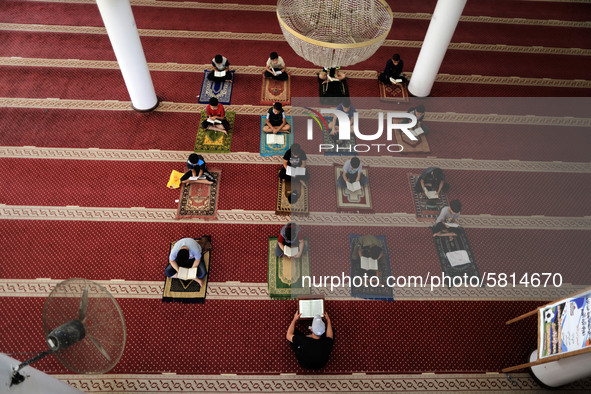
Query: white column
<point x="122" y="31"/>
<point x="443" y="24"/>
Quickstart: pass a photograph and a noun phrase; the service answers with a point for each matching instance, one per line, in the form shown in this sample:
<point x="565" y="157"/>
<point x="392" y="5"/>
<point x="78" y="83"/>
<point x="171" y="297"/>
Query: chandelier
<point x="334" y="33"/>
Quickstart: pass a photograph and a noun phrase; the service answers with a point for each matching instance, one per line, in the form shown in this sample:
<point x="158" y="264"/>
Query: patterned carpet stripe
<point x="396" y="15"/>
<point x="235" y="290"/>
<point x="165" y="106"/>
<point x="297" y="71"/>
<point x="351" y="383"/>
<point x="278" y="37"/>
<point x="155" y="155"/>
<point x="235" y="216"/>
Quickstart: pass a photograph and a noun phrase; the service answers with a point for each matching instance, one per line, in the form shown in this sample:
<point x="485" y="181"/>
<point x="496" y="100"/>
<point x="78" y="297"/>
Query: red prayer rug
<point x="420" y="146"/>
<point x="275" y="91"/>
<point x="394" y="93"/>
<point x="199" y="200"/>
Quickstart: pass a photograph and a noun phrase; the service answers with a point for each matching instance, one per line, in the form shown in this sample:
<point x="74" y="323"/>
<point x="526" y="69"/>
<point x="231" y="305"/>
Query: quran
<point x="290" y="251"/>
<point x="275" y="139"/>
<point x="367" y="263"/>
<point x="310" y="308"/>
<point x="353" y="186"/>
<point x="219" y="73"/>
<point x="187" y="273"/>
<point x="295" y="171"/>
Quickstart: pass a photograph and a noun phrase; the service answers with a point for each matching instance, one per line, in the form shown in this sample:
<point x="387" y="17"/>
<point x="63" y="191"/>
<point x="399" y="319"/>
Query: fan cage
<point x="104" y="322"/>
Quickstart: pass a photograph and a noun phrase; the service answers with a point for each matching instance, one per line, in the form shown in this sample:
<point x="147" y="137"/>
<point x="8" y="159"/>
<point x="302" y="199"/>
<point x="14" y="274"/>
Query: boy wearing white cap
<point x="312" y="350"/>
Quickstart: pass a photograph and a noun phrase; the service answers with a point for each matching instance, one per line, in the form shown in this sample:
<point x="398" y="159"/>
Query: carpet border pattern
<point x="458" y="383"/>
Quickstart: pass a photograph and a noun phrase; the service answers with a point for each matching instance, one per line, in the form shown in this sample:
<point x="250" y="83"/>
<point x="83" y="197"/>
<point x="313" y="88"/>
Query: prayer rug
<point x="427" y="210"/>
<point x="339" y="147"/>
<point x="420" y="146"/>
<point x="459" y="242"/>
<point x="276" y="91"/>
<point x="186" y="291"/>
<point x="365" y="290"/>
<point x="348" y="201"/>
<point x="284" y="275"/>
<point x="276" y="149"/>
<point x="283" y="207"/>
<point x="397" y="93"/>
<point x="220" y="90"/>
<point x="199" y="200"/>
<point x="332" y="93"/>
<point x="212" y="141"/>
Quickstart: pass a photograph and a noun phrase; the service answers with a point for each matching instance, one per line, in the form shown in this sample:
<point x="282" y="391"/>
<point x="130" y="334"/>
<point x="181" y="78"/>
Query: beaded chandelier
<point x="334" y="33"/>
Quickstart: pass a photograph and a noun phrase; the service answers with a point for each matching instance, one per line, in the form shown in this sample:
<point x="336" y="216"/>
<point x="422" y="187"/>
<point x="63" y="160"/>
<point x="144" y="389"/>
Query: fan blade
<point x="83" y="304"/>
<point x="98" y="346"/>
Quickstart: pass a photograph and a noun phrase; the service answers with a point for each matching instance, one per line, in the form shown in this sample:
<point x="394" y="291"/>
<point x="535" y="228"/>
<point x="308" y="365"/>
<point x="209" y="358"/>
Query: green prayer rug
<point x="211" y="141"/>
<point x="284" y="275"/>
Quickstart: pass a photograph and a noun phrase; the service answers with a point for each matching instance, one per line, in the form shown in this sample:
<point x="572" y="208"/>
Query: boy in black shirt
<point x="276" y="122"/>
<point x="294" y="157"/>
<point x="313" y="350"/>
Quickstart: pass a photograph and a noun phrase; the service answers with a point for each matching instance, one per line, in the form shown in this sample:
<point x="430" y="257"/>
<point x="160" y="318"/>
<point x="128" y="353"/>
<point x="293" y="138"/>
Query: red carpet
<point x="255" y="333"/>
<point x="246" y="336"/>
<point x="90" y="249"/>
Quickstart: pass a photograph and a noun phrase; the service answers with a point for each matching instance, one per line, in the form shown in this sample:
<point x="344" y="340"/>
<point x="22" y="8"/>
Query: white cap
<point x="318" y="326"/>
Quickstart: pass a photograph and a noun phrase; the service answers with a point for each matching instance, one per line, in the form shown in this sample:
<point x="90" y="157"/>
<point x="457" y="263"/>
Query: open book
<point x="354" y="186"/>
<point x="416" y="132"/>
<point x="451" y="224"/>
<point x="431" y="195"/>
<point x="331" y="79"/>
<point x="311" y="308"/>
<point x="195" y="178"/>
<point x="275" y="139"/>
<point x="187" y="273"/>
<point x="290" y="251"/>
<point x="295" y="171"/>
<point x="276" y="72"/>
<point x="458" y="257"/>
<point x="367" y="263"/>
<point x="214" y="121"/>
<point x="395" y="80"/>
<point x="219" y="73"/>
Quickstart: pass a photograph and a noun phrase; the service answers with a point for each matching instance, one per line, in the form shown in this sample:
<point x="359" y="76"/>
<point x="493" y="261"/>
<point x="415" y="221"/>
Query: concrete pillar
<point x="443" y="24"/>
<point x="122" y="31"/>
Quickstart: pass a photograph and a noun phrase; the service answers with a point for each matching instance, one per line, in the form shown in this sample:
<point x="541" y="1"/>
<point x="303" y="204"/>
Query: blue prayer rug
<point x="275" y="149"/>
<point x="220" y="90"/>
<point x="382" y="291"/>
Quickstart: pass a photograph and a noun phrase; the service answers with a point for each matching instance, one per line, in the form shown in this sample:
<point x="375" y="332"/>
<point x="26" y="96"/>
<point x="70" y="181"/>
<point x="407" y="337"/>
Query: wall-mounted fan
<point x="83" y="326"/>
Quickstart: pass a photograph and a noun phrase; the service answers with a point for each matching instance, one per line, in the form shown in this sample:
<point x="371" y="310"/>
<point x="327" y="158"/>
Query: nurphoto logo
<point x="402" y="121"/>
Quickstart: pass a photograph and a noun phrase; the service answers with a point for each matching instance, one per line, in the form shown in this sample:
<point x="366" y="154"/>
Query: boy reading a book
<point x="221" y="66"/>
<point x="419" y="112"/>
<point x="446" y="224"/>
<point x="188" y="253"/>
<point x="431" y="180"/>
<point x="393" y="71"/>
<point x="346" y="107"/>
<point x="294" y="157"/>
<point x="276" y="122"/>
<point x="368" y="246"/>
<point x="216" y="117"/>
<point x="290" y="236"/>
<point x="331" y="75"/>
<point x="275" y="67"/>
<point x="197" y="171"/>
<point x="312" y="350"/>
<point x="352" y="174"/>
